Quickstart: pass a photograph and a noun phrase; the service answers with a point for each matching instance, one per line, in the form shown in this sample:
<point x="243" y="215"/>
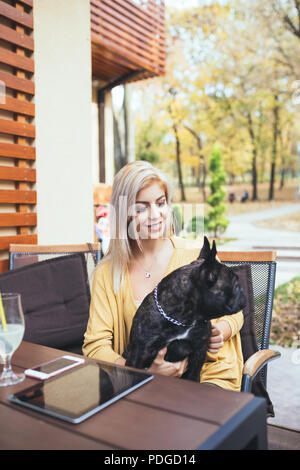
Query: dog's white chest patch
<point x="182" y="335"/>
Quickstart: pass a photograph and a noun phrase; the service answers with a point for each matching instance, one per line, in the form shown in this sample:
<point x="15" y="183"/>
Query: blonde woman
<point x="143" y="250"/>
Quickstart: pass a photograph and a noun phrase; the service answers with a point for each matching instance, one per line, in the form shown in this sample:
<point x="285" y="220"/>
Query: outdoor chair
<point x="55" y="296"/>
<point x="256" y="270"/>
<point x="22" y="255"/>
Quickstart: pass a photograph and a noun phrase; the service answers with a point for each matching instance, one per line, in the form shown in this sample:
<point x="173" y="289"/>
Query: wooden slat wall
<point x="17" y="131"/>
<point x="126" y="37"/>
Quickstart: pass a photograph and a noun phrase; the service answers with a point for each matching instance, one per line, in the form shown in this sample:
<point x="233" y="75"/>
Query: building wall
<point x="63" y="121"/>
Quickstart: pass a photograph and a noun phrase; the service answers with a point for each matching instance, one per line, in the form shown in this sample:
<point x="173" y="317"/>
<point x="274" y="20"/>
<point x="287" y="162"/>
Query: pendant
<point x="148" y="274"/>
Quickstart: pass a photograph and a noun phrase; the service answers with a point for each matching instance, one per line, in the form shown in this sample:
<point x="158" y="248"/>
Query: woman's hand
<point x="160" y="366"/>
<point x="220" y="332"/>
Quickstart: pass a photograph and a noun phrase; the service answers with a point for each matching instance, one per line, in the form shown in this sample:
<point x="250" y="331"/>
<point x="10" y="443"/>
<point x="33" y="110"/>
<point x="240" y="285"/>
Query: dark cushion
<point x="248" y="335"/>
<point x="55" y="298"/>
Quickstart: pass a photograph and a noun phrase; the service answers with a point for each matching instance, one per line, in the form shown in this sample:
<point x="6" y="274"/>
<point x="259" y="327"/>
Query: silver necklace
<point x="148" y="271"/>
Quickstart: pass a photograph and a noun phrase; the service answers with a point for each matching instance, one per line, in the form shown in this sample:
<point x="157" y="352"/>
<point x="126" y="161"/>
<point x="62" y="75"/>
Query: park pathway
<point x="284" y="373"/>
<point x="248" y="235"/>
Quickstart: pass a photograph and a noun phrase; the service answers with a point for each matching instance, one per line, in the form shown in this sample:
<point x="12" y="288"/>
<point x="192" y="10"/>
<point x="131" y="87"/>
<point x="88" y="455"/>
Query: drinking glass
<point x="11" y="333"/>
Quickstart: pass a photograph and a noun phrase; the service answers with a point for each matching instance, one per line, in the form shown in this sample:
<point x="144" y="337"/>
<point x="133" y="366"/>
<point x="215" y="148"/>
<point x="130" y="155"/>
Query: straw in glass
<point x="2" y="314"/>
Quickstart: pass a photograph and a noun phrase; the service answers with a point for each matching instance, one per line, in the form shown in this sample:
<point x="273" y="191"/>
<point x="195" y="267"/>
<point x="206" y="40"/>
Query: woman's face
<point x="151" y="212"/>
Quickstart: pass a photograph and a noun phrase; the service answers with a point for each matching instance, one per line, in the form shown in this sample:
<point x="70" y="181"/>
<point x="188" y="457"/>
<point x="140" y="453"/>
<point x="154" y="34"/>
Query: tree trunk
<point x="282" y="176"/>
<point x="254" y="176"/>
<point x="200" y="184"/>
<point x="274" y="149"/>
<point x="178" y="161"/>
<point x="254" y="158"/>
<point x="198" y="177"/>
<point x="283" y="167"/>
<point x="119" y="153"/>
<point x="203" y="183"/>
<point x="201" y="177"/>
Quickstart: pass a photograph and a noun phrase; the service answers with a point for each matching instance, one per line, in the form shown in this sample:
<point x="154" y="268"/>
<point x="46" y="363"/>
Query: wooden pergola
<point x="128" y="39"/>
<point x="128" y="44"/>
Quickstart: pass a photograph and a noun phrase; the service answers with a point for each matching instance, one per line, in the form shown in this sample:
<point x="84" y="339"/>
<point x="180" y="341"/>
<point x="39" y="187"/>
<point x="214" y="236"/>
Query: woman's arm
<point x="98" y="338"/>
<point x="223" y="329"/>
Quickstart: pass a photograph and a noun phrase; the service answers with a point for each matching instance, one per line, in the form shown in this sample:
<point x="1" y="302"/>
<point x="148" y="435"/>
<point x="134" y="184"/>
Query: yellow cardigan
<point x="111" y="315"/>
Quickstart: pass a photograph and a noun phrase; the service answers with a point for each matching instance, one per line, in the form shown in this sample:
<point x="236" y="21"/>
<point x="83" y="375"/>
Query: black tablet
<point x="81" y="392"/>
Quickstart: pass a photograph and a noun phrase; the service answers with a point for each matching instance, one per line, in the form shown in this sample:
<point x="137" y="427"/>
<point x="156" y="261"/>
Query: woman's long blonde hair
<point x="127" y="183"/>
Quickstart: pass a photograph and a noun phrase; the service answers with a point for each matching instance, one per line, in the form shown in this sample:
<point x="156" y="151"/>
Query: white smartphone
<point x="51" y="368"/>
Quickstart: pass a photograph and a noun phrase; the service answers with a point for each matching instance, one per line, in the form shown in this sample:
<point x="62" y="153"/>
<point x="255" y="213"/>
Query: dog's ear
<point x="213" y="251"/>
<point x="211" y="257"/>
<point x="208" y="271"/>
<point x="205" y="250"/>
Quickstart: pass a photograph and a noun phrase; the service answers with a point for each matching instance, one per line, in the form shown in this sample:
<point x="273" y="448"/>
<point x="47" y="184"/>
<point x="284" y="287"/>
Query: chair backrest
<point x="22" y="255"/>
<point x="263" y="269"/>
<point x="55" y="297"/>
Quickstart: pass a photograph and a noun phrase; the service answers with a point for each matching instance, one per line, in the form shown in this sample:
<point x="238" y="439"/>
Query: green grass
<point x="285" y="329"/>
<point x="288" y="290"/>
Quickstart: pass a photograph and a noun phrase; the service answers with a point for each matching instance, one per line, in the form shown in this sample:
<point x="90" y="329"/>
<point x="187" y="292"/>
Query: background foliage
<point x="232" y="78"/>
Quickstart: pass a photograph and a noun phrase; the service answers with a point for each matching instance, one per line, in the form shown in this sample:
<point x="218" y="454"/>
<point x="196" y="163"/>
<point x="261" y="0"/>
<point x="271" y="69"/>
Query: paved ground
<point x="284" y="373"/>
<point x="283" y="383"/>
<point x="249" y="235"/>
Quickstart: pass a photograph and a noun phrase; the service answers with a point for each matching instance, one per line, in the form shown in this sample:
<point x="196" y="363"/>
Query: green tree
<point x="215" y="220"/>
<point x="232" y="77"/>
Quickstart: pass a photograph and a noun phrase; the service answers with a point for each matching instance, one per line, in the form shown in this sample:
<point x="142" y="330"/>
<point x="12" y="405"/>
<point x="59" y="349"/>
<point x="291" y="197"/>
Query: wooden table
<point x="164" y="414"/>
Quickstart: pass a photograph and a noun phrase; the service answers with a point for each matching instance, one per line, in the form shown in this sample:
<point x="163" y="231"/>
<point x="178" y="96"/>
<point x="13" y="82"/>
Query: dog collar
<point x="170" y="319"/>
<point x="163" y="313"/>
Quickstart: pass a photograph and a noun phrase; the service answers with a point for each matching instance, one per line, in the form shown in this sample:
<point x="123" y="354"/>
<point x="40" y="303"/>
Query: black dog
<point x="177" y="313"/>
